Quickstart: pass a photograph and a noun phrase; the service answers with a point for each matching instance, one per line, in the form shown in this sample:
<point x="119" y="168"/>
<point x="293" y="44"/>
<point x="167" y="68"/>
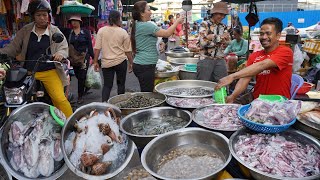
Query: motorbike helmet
<point x="38" y="5"/>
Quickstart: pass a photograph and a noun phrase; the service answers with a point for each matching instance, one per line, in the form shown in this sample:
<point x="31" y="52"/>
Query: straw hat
<point x="220" y="7"/>
<point x="75" y="17"/>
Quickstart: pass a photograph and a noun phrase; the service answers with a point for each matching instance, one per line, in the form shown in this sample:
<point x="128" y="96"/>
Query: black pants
<point x="145" y="75"/>
<point x="80" y="74"/>
<point x="108" y="76"/>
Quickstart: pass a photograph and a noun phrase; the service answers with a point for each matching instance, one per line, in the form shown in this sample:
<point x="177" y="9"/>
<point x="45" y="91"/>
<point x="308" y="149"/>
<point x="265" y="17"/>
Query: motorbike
<point x="20" y="86"/>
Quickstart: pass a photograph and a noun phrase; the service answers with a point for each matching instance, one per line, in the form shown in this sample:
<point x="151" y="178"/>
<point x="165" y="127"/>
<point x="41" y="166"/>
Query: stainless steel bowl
<point x="161" y="145"/>
<point x="69" y="127"/>
<point x="123" y="97"/>
<point x="185" y="84"/>
<point x="23" y="114"/>
<point x="308" y="127"/>
<point x="4" y="173"/>
<point x="290" y="134"/>
<point x="131" y="120"/>
<point x="166" y="74"/>
<point x="179" y="54"/>
<point x="183" y="61"/>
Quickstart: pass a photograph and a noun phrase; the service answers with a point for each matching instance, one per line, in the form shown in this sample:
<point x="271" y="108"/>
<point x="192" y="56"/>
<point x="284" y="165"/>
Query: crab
<point x="100" y="168"/>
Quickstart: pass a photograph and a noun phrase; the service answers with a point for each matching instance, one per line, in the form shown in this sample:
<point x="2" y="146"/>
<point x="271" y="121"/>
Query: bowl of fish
<point x="142" y="126"/>
<point x="30" y="143"/>
<point x="188" y="153"/>
<point x="186" y="88"/>
<point x="291" y="154"/>
<point x="92" y="143"/>
<point x="218" y="117"/>
<point x="308" y="119"/>
<point x="132" y="102"/>
<point x="189" y="103"/>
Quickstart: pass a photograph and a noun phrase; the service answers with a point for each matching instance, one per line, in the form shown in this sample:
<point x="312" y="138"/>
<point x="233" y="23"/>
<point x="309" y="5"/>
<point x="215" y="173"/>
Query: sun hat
<point x="220" y="7"/>
<point x="75" y="17"/>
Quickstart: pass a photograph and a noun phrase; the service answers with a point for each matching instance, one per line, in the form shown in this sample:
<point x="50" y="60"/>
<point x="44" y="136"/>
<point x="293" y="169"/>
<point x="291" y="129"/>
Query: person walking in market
<point x="80" y="51"/>
<point x="144" y="39"/>
<point x="272" y="66"/>
<point x="31" y="42"/>
<point x="212" y="42"/>
<point x="114" y="42"/>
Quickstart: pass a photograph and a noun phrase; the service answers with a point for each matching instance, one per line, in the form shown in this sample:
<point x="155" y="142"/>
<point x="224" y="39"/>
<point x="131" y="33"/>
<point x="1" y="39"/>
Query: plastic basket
<point x="272" y="98"/>
<point x="262" y="128"/>
<point x="75" y="9"/>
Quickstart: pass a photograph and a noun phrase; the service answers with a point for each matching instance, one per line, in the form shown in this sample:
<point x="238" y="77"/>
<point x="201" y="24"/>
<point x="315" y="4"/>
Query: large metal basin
<point x="179" y="54"/>
<point x="123" y="97"/>
<point x="161" y="145"/>
<point x="23" y="114"/>
<point x="131" y="120"/>
<point x="290" y="134"/>
<point x="183" y="61"/>
<point x="308" y="127"/>
<point x="185" y="84"/>
<point x="69" y="127"/>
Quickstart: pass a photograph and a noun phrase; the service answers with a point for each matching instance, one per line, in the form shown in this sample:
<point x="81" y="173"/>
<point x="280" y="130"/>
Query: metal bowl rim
<point x="58" y="173"/>
<point x="147" y="147"/>
<point x="148" y="107"/>
<point x="215" y="129"/>
<point x="145" y="110"/>
<point x="182" y="107"/>
<point x="79" y="172"/>
<point x="306" y="124"/>
<point x="234" y="135"/>
<point x="184" y="81"/>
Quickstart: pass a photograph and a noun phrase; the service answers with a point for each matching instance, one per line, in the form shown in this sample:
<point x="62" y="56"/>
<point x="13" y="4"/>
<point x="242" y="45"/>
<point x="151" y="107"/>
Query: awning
<point x="128" y="8"/>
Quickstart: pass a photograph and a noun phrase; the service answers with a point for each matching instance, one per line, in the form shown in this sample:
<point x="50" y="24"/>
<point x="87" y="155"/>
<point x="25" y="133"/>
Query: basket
<point x="262" y="128"/>
<point x="191" y="67"/>
<point x="220" y="95"/>
<point x="75" y="9"/>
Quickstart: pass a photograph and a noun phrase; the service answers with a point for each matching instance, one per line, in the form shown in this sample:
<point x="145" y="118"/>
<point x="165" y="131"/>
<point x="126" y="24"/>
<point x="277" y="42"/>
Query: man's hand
<point x="130" y="68"/>
<point x="96" y="66"/>
<point x="181" y="19"/>
<point x="230" y="99"/>
<point x="2" y="73"/>
<point x="57" y="57"/>
<point x="224" y="82"/>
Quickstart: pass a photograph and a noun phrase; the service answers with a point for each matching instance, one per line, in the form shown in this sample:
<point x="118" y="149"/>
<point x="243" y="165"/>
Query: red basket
<point x="306" y="87"/>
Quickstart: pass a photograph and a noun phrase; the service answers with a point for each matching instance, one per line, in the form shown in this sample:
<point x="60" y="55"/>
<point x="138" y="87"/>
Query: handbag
<point x="76" y="58"/>
<point x="252" y="18"/>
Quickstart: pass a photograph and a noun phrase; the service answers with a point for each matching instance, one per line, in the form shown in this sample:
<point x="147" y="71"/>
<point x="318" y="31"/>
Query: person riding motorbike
<point x="31" y="42"/>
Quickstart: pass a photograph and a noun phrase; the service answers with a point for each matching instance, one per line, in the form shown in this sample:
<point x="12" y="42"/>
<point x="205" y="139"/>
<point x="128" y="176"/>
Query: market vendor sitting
<point x="238" y="45"/>
<point x="272" y="66"/>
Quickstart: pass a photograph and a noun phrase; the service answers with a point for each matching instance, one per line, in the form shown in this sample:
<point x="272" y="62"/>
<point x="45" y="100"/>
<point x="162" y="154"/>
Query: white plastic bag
<point x="297" y="58"/>
<point x="93" y="79"/>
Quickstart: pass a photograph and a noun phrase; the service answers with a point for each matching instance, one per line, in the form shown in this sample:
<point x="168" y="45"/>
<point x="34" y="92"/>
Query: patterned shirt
<point x="214" y="48"/>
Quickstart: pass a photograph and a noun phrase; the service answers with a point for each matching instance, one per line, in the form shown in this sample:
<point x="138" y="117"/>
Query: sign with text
<point x="189" y="15"/>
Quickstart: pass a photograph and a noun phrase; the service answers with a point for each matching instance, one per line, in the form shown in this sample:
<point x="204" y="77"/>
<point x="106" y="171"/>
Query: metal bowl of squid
<point x="116" y="100"/>
<point x="291" y="134"/>
<point x="26" y="114"/>
<point x="211" y="142"/>
<point x="69" y="127"/>
<point x="132" y="121"/>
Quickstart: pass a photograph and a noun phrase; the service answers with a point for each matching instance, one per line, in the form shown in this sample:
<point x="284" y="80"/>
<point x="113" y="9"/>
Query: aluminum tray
<point x="185" y="84"/>
<point x="179" y="54"/>
<point x="197" y="121"/>
<point x="183" y="61"/>
<point x="289" y="134"/>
